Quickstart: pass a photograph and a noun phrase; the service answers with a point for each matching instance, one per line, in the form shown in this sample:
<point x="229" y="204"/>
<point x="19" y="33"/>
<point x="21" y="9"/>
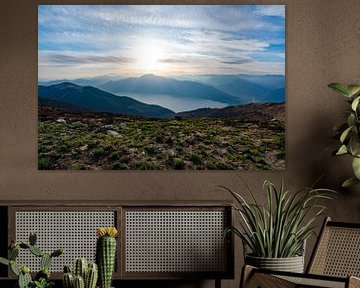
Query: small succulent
<point x="42" y="283"/>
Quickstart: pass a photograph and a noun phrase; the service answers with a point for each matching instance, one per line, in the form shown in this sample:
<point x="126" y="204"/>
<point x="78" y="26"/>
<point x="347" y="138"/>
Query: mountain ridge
<point x="93" y="99"/>
<point x="153" y="84"/>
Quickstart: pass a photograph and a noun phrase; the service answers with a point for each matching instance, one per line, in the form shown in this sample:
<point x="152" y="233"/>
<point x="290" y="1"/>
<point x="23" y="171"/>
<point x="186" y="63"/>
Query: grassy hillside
<point x="103" y="141"/>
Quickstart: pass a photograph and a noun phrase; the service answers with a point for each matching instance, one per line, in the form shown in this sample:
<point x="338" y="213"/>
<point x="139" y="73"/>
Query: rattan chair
<point x="334" y="263"/>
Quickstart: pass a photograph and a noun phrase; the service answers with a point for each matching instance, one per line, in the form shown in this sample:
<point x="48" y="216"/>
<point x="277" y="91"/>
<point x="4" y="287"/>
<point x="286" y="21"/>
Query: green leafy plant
<point x="42" y="278"/>
<point x="279" y="229"/>
<point x="349" y="132"/>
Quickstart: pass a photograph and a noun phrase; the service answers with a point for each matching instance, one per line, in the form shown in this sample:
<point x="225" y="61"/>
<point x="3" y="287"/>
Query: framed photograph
<point x="161" y="87"/>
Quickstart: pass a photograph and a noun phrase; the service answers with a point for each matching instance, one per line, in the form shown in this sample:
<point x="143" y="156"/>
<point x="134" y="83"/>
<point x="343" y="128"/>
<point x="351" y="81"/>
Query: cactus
<point x="14" y="268"/>
<point x="45" y="261"/>
<point x="80" y="268"/>
<point x="24" y="278"/>
<point x="44" y="273"/>
<point x="68" y="280"/>
<point x="57" y="252"/>
<point x="105" y="254"/>
<point x="13" y="253"/>
<point x="91" y="276"/>
<point x="79" y="282"/>
<point x="32" y="239"/>
<point x="36" y="251"/>
<point x="90" y="272"/>
<point x="4" y="261"/>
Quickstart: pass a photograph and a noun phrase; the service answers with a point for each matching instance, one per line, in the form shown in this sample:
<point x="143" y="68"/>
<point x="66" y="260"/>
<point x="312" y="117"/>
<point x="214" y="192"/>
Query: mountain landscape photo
<point x="158" y="91"/>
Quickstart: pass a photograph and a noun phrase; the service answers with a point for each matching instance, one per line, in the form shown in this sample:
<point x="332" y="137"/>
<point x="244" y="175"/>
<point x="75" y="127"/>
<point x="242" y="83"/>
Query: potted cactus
<point x="42" y="278"/>
<point x="84" y="275"/>
<point x="106" y="254"/>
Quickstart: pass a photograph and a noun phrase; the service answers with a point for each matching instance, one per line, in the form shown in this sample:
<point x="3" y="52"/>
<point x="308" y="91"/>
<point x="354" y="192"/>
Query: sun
<point x="149" y="56"/>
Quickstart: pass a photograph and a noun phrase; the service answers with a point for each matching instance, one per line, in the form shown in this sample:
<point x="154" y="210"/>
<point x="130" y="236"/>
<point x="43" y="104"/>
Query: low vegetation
<point x="83" y="141"/>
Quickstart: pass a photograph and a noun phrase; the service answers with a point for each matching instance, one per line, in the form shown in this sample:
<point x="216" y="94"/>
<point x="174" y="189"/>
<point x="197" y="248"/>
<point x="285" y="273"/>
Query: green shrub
<point x="77" y="166"/>
<point x="98" y="151"/>
<point x="195" y="158"/>
<point x="45" y="162"/>
<point x="179" y="164"/>
<point x="114" y="155"/>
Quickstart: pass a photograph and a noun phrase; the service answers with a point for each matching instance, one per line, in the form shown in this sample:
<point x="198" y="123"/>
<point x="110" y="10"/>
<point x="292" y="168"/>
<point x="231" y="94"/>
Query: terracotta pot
<point x="291" y="264"/>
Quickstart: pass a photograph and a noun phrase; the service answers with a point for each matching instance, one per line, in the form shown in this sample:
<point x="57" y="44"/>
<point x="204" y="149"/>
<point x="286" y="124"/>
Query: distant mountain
<point x="270" y="82"/>
<point x="151" y="84"/>
<point x="246" y="91"/>
<point x="277" y="95"/>
<point x="249" y="112"/>
<point x="93" y="99"/>
<point x="250" y="92"/>
<point x="90" y="81"/>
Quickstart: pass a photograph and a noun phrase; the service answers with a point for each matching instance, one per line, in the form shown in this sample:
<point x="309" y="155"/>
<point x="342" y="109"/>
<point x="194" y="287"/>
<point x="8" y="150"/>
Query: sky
<point x="78" y="41"/>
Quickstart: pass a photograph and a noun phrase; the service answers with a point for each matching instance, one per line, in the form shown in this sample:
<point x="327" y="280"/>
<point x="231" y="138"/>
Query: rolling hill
<point x="248" y="112"/>
<point x="93" y="99"/>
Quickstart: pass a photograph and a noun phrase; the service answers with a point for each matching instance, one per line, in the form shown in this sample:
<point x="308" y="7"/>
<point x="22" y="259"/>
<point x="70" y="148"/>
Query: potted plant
<point x="276" y="233"/>
<point x="349" y="132"/>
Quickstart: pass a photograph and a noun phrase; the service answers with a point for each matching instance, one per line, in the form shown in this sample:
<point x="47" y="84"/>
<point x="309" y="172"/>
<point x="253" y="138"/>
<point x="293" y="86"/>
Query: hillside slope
<point x="93" y="99"/>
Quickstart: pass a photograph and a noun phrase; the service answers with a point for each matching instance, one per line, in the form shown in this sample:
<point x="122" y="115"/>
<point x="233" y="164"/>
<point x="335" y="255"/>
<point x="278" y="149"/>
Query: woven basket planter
<point x="291" y="264"/>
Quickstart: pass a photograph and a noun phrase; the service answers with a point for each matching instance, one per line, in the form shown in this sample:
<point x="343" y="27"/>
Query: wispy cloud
<point x="271" y="10"/>
<point x="77" y="58"/>
<point x="183" y="39"/>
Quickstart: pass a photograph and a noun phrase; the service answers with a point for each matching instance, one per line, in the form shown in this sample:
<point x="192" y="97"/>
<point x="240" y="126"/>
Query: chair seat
<point x="268" y="279"/>
<point x="314" y="282"/>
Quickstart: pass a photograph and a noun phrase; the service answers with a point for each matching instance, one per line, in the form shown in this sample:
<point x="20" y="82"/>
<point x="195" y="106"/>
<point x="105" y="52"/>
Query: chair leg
<point x="250" y="278"/>
<point x="246" y="274"/>
<point x="217" y="283"/>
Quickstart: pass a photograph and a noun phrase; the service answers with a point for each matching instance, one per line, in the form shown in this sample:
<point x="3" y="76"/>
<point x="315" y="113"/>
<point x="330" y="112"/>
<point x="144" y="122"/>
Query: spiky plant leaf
<point x="280" y="228"/>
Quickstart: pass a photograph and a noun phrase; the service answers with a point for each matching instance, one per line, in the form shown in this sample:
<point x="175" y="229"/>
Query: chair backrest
<point x="337" y="251"/>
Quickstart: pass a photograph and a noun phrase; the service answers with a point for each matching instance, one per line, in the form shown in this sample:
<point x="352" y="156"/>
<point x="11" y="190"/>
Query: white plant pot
<point x="291" y="264"/>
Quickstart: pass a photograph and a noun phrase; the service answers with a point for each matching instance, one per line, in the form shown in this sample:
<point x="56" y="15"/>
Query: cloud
<point x="80" y="58"/>
<point x="239" y="61"/>
<point x="271" y="10"/>
<point x="186" y="38"/>
<point x="173" y="61"/>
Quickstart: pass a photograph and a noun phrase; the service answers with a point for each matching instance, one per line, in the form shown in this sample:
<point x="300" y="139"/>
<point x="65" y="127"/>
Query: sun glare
<point x="149" y="55"/>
